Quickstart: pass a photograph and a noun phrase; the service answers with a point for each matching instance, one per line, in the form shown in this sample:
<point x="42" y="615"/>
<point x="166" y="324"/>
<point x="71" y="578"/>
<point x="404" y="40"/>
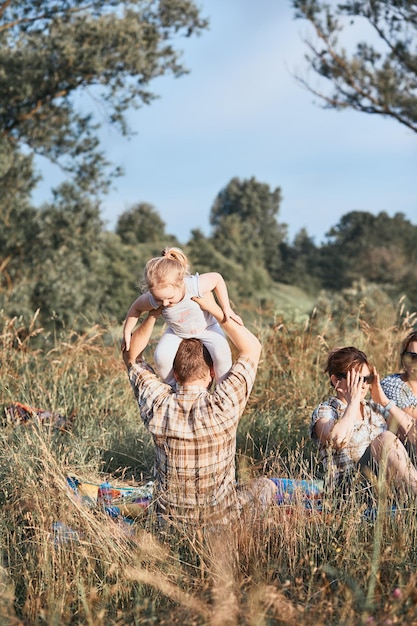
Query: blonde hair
<point x="168" y="269"/>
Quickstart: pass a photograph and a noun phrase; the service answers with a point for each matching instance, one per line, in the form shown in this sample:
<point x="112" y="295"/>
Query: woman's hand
<point x="354" y="387"/>
<point x="377" y="393"/>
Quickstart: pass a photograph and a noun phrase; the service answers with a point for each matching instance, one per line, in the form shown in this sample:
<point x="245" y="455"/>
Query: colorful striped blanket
<point x="132" y="501"/>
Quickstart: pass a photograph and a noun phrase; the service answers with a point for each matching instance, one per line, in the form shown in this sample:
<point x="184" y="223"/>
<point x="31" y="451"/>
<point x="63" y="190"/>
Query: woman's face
<point x="409" y="359"/>
<point x="341" y="384"/>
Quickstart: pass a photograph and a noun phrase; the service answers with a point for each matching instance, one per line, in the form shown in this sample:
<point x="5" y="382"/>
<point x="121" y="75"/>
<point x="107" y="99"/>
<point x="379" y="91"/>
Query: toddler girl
<point x="170" y="286"/>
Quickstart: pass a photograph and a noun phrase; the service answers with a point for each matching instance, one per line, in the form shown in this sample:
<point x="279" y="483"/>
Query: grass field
<point x="337" y="565"/>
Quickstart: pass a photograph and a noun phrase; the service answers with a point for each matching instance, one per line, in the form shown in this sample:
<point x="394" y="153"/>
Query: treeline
<point x="61" y="261"/>
<point x="60" y="264"/>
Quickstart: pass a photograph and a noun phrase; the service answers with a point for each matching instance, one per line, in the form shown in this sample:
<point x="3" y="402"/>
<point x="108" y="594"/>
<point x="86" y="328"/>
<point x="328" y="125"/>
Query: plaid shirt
<point x="337" y="463"/>
<point x="194" y="432"/>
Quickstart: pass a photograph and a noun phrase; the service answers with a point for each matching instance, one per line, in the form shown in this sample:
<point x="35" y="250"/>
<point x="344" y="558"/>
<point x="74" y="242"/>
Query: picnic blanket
<point x="133" y="501"/>
<point x="126" y="501"/>
<point x="290" y="491"/>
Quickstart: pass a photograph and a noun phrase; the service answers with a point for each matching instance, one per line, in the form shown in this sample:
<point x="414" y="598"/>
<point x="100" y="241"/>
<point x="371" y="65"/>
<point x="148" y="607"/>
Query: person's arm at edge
<point x="140" y="339"/>
<point x="246" y="343"/>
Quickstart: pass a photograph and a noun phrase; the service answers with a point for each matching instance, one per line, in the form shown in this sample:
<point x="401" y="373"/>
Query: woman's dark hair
<point x="406" y="342"/>
<point x="341" y="360"/>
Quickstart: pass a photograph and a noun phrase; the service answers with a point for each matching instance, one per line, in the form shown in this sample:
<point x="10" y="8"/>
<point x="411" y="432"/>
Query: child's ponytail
<point x="168" y="269"/>
<point x="177" y="255"/>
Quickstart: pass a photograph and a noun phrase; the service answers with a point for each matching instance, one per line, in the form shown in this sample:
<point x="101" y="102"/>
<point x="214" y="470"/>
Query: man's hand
<point x="140" y="338"/>
<point x="125" y="343"/>
<point x="208" y="303"/>
<point x="245" y="341"/>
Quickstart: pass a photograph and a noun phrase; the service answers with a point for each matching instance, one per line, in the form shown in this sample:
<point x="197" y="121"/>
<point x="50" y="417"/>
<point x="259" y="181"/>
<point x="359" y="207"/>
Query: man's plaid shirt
<point x="194" y="432"/>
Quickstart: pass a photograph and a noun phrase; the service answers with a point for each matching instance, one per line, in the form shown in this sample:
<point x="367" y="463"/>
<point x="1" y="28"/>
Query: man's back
<point x="194" y="432"/>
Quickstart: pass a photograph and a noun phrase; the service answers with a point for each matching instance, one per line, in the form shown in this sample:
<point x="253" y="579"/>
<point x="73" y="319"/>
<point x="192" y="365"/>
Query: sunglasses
<point x="410" y="356"/>
<point x="368" y="380"/>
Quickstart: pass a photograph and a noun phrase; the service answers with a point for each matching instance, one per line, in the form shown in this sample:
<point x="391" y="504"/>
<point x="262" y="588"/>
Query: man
<point x="194" y="429"/>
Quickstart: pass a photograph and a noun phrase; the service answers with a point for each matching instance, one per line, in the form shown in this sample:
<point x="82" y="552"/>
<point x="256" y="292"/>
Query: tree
<point x="375" y="248"/>
<point x="118" y="274"/>
<point x="18" y="227"/>
<point x="244" y="217"/>
<point x="142" y="224"/>
<point x="378" y="78"/>
<point x="66" y="259"/>
<point x="54" y="54"/>
<point x="205" y="256"/>
<point x="300" y="262"/>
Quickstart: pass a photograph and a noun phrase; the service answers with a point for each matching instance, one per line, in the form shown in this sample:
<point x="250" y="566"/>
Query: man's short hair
<point x="191" y="361"/>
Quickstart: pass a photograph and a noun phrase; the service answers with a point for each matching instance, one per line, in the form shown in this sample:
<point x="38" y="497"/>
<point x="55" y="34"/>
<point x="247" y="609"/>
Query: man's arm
<point x="140" y="338"/>
<point x="139" y="306"/>
<point x="213" y="281"/>
<point x="246" y="343"/>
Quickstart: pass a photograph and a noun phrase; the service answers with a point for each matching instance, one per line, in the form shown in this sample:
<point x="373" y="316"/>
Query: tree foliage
<point x="54" y="53"/>
<point x="244" y="217"/>
<point x="244" y="278"/>
<point x="380" y="75"/>
<point x="377" y="248"/>
<point x="61" y="260"/>
<point x="65" y="68"/>
<point x="300" y="262"/>
<point x="65" y="258"/>
<point x="142" y="223"/>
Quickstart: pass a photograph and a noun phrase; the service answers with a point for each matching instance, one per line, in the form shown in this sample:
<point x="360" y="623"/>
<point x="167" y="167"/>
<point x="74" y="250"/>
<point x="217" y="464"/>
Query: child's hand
<point x="234" y="316"/>
<point x="229" y="314"/>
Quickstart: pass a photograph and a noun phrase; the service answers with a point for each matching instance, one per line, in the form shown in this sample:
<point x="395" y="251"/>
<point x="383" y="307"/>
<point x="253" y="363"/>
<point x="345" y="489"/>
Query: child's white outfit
<point x="187" y="320"/>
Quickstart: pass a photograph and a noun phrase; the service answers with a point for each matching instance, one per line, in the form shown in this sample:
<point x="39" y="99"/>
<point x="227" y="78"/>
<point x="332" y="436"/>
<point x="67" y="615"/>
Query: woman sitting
<point x="402" y="388"/>
<point x="353" y="433"/>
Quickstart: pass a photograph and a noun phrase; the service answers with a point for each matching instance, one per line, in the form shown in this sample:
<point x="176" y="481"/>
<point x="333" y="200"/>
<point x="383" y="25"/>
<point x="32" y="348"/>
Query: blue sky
<point x="240" y="112"/>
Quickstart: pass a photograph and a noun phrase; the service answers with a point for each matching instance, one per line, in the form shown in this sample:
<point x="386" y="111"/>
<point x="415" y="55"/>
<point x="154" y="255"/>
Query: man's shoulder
<point x="245" y="363"/>
<point x="140" y="368"/>
<point x="242" y="372"/>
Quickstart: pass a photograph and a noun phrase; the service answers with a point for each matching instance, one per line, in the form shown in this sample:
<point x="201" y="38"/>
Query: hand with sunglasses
<point x="357" y="384"/>
<point x="377" y="392"/>
<point x="351" y="387"/>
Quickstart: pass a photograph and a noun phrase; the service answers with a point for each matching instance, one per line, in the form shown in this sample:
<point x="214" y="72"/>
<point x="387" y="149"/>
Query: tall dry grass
<point x="63" y="563"/>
